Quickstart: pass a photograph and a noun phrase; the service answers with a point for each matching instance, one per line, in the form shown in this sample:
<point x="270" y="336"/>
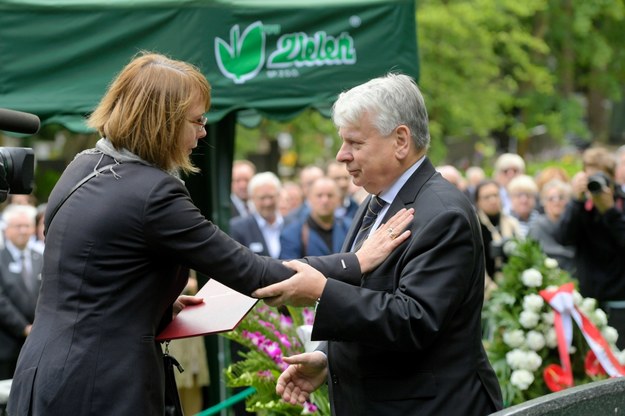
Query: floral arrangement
<point x="270" y="335"/>
<point x="535" y="345"/>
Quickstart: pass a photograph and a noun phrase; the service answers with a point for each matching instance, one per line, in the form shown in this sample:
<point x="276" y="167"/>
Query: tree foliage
<point x="495" y="71"/>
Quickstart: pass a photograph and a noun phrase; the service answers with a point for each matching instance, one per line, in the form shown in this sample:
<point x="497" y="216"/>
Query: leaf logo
<point x="242" y="58"/>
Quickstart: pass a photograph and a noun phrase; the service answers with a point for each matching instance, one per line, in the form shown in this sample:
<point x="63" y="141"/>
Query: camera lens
<point x="597" y="182"/>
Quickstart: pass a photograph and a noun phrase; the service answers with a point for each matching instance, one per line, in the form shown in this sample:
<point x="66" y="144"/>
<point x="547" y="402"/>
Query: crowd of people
<point x="409" y="341"/>
<point x="509" y="203"/>
<point x="578" y="221"/>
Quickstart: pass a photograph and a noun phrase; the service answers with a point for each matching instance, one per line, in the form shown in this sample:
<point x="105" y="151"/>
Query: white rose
<point x="588" y="305"/>
<point x="577" y="298"/>
<point x="529" y="319"/>
<point x="533" y="302"/>
<point x="532" y="278"/>
<point x="521" y="379"/>
<point x="551" y="338"/>
<point x="535" y="340"/>
<point x="610" y="334"/>
<point x="551" y="263"/>
<point x="548" y="317"/>
<point x="531" y="361"/>
<point x="515" y="358"/>
<point x="514" y="339"/>
<point x="599" y="318"/>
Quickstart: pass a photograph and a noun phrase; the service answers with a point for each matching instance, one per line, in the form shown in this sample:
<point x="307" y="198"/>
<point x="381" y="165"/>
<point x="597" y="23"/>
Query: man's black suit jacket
<point x="17" y="302"/>
<point x="409" y="338"/>
<point x="246" y="231"/>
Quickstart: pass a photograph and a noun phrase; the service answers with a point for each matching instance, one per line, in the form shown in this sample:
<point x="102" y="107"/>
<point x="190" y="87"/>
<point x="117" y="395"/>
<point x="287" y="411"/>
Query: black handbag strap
<point x="71" y="191"/>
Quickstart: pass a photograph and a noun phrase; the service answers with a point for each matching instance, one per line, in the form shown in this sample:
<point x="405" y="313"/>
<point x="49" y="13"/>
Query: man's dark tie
<point x="373" y="209"/>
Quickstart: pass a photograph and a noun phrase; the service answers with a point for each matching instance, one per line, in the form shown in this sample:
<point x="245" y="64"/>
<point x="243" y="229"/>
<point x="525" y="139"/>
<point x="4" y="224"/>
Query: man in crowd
<point x="242" y="172"/>
<point x="453" y="176"/>
<point x="338" y="172"/>
<point x="321" y="232"/>
<point x="474" y="175"/>
<point x="407" y="339"/>
<point x="260" y="231"/>
<point x="20" y="278"/>
<point x="307" y="176"/>
<point x="291" y="198"/>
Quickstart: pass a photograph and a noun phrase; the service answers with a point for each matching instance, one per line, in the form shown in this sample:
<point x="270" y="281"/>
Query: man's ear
<point x="403" y="141"/>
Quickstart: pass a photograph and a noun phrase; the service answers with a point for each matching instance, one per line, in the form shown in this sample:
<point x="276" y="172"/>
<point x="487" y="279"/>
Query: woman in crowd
<point x="497" y="227"/>
<point x="546" y="175"/>
<point x="523" y="197"/>
<point x="553" y="197"/>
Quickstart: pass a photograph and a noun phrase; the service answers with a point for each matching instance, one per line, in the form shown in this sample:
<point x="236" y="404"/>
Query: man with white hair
<point x="20" y="278"/>
<point x="406" y="338"/>
<point x="260" y="231"/>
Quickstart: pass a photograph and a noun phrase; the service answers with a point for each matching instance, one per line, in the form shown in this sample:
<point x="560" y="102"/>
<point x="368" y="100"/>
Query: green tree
<point x="494" y="71"/>
<point x="315" y="139"/>
<point x="586" y="43"/>
<point x="484" y="71"/>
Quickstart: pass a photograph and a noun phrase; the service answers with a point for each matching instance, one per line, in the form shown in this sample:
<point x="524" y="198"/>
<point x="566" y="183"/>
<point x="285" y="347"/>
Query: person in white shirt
<point x="20" y="279"/>
<point x="260" y="231"/>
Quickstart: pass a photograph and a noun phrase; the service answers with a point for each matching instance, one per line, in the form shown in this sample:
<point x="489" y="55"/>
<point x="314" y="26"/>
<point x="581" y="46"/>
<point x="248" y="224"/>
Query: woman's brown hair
<point x="145" y="108"/>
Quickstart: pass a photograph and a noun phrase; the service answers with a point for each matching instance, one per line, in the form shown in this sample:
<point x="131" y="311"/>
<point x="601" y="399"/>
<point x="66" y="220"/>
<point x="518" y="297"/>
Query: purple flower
<point x="309" y="316"/>
<point x="286" y="321"/>
<point x="262" y="308"/>
<point x="265" y="374"/>
<point x="266" y="324"/>
<point x="273" y="350"/>
<point x="309" y="408"/>
<point x="256" y="337"/>
<point x="284" y="339"/>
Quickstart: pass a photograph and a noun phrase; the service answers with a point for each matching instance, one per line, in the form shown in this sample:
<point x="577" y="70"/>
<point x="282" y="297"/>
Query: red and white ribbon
<point x="561" y="300"/>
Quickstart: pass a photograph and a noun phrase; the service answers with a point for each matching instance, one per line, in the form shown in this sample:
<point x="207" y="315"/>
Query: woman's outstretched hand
<point x="301" y="289"/>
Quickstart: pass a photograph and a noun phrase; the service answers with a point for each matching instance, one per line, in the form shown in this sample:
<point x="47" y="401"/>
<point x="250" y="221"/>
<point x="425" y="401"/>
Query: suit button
<point x="335" y="379"/>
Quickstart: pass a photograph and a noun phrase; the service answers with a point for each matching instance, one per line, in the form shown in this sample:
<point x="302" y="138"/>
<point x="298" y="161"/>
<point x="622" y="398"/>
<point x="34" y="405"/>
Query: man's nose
<point x="343" y="154"/>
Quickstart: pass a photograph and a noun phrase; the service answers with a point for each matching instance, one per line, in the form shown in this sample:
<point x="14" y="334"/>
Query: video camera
<point x="17" y="164"/>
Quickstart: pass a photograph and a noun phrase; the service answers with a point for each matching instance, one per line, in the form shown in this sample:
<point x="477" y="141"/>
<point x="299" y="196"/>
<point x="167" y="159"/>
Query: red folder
<point x="222" y="310"/>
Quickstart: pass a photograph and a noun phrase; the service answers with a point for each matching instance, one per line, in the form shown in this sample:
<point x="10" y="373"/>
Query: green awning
<point x="272" y="58"/>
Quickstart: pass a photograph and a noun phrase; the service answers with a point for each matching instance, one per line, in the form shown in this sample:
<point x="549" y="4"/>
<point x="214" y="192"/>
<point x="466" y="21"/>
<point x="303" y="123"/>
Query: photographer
<point x="594" y="223"/>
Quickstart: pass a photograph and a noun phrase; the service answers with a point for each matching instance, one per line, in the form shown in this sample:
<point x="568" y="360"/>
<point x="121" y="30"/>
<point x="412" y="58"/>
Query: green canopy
<point x="273" y="57"/>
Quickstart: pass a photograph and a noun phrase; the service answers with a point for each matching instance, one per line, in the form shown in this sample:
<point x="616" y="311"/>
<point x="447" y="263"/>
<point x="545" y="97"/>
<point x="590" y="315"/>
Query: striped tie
<point x="373" y="209"/>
